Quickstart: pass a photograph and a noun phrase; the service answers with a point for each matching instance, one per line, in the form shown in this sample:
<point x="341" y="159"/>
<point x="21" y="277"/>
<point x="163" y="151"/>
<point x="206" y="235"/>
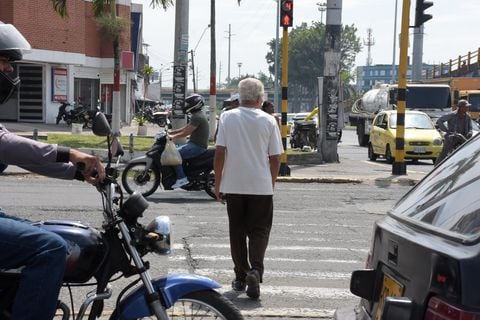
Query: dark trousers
<point x="250" y="217"/>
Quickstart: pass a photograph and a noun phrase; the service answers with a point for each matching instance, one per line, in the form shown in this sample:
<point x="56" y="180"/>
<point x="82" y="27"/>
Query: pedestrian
<point x="40" y="253"/>
<point x="454" y="124"/>
<point x="228" y="104"/>
<point x="197" y="129"/>
<point x="269" y="108"/>
<point x="247" y="161"/>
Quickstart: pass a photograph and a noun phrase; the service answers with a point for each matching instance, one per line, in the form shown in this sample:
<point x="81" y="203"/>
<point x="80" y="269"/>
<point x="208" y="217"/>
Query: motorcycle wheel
<point x="210" y="187"/>
<point x="89" y="124"/>
<point x="203" y="305"/>
<point x="136" y="178"/>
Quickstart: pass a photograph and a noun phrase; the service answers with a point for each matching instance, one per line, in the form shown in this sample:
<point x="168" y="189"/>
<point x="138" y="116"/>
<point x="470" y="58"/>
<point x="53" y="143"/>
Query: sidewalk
<point x="348" y="170"/>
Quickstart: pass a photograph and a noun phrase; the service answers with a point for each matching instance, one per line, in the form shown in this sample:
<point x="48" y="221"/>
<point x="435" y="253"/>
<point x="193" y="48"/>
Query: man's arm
<point x="441" y="122"/>
<point x="218" y="164"/>
<point x="274" y="167"/>
<point x="47" y="159"/>
<point x="182" y="132"/>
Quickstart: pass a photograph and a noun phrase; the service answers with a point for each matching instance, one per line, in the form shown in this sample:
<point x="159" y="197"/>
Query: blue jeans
<point x="187" y="151"/>
<point x="43" y="255"/>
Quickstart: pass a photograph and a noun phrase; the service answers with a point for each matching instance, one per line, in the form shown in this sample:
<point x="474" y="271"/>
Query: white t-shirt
<point x="250" y="136"/>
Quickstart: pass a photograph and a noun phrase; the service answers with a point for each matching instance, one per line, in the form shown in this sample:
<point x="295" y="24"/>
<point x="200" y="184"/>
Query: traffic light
<point x="420" y="16"/>
<point x="286" y="13"/>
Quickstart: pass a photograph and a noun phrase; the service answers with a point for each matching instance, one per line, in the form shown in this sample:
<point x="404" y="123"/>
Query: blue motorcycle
<point x="98" y="256"/>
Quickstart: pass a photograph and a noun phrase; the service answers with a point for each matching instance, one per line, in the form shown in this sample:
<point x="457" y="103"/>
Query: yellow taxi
<point x="422" y="140"/>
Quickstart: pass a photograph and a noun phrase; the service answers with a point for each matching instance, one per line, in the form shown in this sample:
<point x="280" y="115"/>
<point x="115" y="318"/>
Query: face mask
<point x="7" y="87"/>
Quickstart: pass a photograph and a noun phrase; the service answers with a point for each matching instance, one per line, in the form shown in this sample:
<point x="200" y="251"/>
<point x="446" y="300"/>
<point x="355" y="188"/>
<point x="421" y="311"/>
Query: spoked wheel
<point x="135" y="177"/>
<point x="210" y="188"/>
<point x="203" y="305"/>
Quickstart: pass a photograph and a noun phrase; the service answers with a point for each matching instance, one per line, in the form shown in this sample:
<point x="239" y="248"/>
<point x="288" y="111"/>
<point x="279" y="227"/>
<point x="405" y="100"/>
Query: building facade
<point x="368" y="76"/>
<point x="71" y="59"/>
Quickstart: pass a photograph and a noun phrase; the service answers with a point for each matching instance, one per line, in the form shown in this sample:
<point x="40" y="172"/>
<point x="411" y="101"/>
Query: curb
<point x="319" y="180"/>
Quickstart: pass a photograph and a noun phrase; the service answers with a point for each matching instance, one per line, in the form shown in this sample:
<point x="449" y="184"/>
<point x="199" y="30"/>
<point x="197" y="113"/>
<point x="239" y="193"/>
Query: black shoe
<point x="253" y="282"/>
<point x="238" y="285"/>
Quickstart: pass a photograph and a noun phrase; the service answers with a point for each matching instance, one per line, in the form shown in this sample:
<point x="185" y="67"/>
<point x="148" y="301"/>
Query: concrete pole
<point x="417" y="53"/>
<point x="180" y="57"/>
<point x="213" y="73"/>
<point x="331" y="83"/>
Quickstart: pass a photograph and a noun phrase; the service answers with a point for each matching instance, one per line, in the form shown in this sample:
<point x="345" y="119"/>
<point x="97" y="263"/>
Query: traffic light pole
<point x="284" y="169"/>
<point x="399" y="167"/>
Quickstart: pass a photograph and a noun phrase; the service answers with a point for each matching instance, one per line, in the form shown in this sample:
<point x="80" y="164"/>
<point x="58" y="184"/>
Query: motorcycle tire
<point x="207" y="304"/>
<point x="134" y="178"/>
<point x="210" y="187"/>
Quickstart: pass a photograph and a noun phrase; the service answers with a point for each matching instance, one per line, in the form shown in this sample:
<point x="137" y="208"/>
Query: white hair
<point x="250" y="89"/>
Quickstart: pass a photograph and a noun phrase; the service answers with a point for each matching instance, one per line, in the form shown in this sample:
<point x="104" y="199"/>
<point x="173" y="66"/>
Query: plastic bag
<point x="170" y="156"/>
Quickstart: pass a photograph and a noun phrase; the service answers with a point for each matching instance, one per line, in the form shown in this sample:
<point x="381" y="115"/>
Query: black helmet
<point x="12" y="43"/>
<point x="193" y="103"/>
<point x="12" y="46"/>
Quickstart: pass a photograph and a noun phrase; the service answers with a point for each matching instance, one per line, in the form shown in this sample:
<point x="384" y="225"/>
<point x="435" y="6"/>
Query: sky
<point x="449" y="34"/>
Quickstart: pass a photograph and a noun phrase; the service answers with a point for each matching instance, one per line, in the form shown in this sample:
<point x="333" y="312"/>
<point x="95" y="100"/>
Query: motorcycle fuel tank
<point x="85" y="248"/>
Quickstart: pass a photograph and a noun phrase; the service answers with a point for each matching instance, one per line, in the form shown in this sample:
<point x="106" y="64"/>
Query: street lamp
<point x="322" y="7"/>
<point x="239" y="68"/>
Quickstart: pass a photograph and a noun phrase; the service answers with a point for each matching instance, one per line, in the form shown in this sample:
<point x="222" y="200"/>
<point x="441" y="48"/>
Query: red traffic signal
<point x="286" y="13"/>
<point x="420" y="16"/>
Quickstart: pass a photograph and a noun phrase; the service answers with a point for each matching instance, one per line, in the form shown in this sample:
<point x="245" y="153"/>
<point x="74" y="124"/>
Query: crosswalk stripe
<point x="273" y="247"/>
<point x="215" y="273"/>
<point x="229" y="258"/>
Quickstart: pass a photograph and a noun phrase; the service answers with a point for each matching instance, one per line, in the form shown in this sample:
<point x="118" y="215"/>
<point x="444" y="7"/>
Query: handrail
<point x="455" y="67"/>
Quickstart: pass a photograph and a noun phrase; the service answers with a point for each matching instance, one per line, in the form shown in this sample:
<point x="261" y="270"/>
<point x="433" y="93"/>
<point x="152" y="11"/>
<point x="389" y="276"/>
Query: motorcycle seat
<point x="204" y="160"/>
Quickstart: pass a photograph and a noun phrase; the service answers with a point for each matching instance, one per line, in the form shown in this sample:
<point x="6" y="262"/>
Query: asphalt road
<point x="321" y="232"/>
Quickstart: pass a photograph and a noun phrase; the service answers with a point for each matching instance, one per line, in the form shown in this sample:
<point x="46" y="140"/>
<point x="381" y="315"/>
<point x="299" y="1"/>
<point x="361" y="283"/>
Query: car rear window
<point x="448" y="198"/>
<point x="413" y="121"/>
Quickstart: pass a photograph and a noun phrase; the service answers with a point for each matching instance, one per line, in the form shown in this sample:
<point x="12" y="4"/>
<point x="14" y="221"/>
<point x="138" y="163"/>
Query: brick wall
<point x="45" y="29"/>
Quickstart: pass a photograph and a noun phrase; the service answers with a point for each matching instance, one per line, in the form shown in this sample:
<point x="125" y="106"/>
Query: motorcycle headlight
<point x="158" y="234"/>
<point x="437" y="142"/>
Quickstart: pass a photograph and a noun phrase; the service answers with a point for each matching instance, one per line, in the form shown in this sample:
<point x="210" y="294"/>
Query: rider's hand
<point x="92" y="165"/>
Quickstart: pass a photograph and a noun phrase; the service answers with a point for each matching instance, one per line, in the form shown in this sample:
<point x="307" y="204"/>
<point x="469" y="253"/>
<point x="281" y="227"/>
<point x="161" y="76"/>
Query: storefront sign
<point x="59" y="84"/>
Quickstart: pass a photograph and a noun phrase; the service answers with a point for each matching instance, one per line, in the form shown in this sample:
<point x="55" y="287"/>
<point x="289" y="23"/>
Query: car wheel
<point x="371" y="155"/>
<point x="434" y="160"/>
<point x="388" y="155"/>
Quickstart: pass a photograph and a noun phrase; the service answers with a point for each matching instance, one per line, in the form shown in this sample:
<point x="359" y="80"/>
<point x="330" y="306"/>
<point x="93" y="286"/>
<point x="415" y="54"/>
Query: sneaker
<point x="180" y="183"/>
<point x="253" y="284"/>
<point x="238" y="285"/>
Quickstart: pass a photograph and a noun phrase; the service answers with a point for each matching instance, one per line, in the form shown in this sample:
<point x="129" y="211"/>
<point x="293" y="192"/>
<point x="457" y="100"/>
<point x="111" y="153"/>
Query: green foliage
<point x="306" y="58"/>
<point x="266" y="80"/>
<point x="60" y="6"/>
<point x="112" y="26"/>
<point x="140" y="120"/>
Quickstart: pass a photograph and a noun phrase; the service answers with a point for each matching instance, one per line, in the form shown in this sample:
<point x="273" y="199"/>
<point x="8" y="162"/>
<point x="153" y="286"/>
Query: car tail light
<point x="441" y="310"/>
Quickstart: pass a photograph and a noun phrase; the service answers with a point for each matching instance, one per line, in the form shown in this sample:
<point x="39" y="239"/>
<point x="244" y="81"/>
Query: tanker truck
<point x="433" y="99"/>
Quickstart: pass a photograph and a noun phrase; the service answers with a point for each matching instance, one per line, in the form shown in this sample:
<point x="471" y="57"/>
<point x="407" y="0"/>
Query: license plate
<point x="390" y="288"/>
<point x="420" y="150"/>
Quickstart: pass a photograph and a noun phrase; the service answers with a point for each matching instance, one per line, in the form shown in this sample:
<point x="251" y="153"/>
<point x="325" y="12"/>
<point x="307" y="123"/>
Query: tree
<point x="305" y="55"/>
<point x="113" y="26"/>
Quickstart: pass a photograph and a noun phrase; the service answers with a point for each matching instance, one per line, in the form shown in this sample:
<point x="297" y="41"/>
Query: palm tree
<point x="112" y="25"/>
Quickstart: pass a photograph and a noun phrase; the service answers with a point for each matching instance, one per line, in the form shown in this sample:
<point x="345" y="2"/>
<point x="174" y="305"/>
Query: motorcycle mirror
<point x="100" y="125"/>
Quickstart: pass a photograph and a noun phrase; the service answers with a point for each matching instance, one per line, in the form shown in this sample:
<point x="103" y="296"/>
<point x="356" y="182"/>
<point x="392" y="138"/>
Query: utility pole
<point x="239" y="68"/>
<point x="394" y="42"/>
<point x="193" y="72"/>
<point x="213" y="73"/>
<point x="277" y="39"/>
<point x="322" y="8"/>
<point x="180" y="64"/>
<point x="417" y="53"/>
<point x="331" y="83"/>
<point x="229" y="47"/>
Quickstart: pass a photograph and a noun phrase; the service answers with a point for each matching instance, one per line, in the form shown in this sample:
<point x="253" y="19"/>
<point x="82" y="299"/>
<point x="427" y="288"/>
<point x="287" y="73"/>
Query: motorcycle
<point x="80" y="114"/>
<point x="144" y="174"/>
<point x="304" y="133"/>
<point x="120" y="247"/>
<point x="452" y="140"/>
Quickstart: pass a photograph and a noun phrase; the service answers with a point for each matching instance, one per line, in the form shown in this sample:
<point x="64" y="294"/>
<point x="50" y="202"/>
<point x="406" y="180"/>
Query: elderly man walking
<point x="247" y="161"/>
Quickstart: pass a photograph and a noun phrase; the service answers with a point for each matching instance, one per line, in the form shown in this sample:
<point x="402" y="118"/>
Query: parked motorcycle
<point x="144" y="174"/>
<point x="304" y="133"/>
<point x="80" y="114"/>
<point x="120" y="248"/>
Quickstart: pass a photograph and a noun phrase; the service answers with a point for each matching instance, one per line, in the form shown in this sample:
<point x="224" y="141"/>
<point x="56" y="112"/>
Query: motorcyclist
<point x="457" y="123"/>
<point x="42" y="254"/>
<point x="197" y="129"/>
